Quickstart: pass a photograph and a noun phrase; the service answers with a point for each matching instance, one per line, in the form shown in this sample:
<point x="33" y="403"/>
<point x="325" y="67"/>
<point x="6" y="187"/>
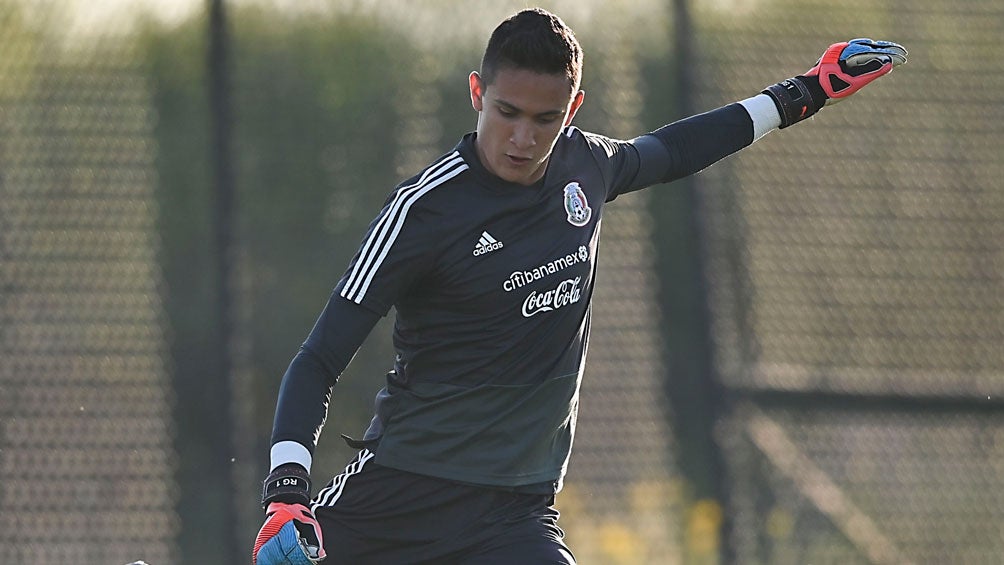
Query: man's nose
<point x="523" y="136"/>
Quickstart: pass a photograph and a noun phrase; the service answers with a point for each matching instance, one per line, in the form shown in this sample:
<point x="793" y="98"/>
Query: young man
<point x="488" y="256"/>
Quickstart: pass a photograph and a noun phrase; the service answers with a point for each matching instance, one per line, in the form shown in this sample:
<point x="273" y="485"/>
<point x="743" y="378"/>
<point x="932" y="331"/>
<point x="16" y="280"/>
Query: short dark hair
<point x="535" y="40"/>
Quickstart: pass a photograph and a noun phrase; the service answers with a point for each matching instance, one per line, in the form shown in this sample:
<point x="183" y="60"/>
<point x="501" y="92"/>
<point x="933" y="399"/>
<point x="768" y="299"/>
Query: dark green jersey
<point x="492" y="282"/>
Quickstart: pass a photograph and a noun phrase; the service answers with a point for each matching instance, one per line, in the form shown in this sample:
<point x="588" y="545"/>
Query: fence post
<point x="694" y="393"/>
<point x="203" y="421"/>
<point x="224" y="214"/>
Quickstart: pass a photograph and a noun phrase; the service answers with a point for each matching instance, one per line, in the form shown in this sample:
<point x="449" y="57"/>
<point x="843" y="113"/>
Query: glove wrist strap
<point x="289" y="483"/>
<point x="795" y="99"/>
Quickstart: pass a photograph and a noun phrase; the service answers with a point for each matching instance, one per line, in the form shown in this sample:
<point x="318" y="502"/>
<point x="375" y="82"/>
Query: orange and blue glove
<point x="291" y="534"/>
<point x="844" y="69"/>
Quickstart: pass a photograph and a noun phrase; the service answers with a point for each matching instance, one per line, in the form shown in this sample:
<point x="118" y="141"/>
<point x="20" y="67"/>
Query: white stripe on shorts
<point x="330" y="494"/>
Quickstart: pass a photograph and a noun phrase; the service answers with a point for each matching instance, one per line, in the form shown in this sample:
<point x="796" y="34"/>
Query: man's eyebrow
<point x="517" y="109"/>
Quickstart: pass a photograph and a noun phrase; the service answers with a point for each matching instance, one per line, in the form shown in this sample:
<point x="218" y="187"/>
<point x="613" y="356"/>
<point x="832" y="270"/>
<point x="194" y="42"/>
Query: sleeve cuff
<point x="289" y="452"/>
<point x="763" y="112"/>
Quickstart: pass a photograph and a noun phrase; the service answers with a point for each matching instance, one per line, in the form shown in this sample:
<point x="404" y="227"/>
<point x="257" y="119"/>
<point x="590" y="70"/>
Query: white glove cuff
<point x="764" y="114"/>
<point x="289" y="452"/>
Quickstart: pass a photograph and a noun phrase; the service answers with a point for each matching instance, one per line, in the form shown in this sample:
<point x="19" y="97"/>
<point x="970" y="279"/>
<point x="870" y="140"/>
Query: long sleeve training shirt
<point x="491" y="282"/>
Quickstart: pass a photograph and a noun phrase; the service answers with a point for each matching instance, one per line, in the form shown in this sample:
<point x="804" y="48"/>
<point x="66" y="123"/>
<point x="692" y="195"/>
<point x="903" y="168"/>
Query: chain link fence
<point x="856" y="270"/>
<point x="86" y="456"/>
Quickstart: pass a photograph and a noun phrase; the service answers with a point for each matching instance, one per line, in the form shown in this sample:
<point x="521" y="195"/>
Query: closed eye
<point x="510" y="112"/>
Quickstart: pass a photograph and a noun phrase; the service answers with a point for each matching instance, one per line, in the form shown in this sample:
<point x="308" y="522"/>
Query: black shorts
<point x="374" y="515"/>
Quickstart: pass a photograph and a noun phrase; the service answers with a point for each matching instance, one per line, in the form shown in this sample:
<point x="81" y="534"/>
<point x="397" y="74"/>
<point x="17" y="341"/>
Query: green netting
<point x="86" y="458"/>
<point x="859" y="255"/>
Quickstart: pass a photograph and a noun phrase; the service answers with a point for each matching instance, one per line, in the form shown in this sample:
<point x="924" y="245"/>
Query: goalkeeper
<point x="488" y="256"/>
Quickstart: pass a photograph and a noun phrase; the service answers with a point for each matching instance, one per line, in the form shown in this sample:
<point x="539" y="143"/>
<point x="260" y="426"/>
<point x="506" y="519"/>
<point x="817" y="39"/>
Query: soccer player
<point x="489" y="258"/>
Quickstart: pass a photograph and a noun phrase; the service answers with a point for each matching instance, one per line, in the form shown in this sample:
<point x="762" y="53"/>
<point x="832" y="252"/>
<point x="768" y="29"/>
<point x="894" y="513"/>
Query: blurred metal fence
<point x="857" y="282"/>
<point x="86" y="457"/>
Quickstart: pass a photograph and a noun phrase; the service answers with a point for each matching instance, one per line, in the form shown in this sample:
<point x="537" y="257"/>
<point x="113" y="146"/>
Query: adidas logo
<point x="486" y="244"/>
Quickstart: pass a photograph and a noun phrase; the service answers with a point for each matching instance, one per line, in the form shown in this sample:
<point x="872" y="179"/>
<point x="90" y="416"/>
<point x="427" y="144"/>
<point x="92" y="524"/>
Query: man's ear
<point x="477" y="91"/>
<point x="576" y="102"/>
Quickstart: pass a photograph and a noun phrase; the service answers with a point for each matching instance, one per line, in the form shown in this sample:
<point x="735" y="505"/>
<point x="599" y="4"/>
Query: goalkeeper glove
<point x="291" y="534"/>
<point x="843" y="69"/>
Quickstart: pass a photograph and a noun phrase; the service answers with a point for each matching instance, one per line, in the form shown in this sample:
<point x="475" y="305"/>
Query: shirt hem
<point x="490" y="481"/>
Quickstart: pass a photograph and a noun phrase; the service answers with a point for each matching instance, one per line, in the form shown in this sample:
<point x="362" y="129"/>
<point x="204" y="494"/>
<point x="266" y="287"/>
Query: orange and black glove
<point x="291" y="534"/>
<point x="844" y="69"/>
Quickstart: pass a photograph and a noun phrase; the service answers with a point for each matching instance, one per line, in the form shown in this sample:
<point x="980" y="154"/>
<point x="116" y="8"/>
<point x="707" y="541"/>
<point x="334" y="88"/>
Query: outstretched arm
<point x="690" y="145"/>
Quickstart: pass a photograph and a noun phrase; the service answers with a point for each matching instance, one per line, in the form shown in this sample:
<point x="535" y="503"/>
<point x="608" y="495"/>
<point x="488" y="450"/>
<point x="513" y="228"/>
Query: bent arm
<point x="306" y="387"/>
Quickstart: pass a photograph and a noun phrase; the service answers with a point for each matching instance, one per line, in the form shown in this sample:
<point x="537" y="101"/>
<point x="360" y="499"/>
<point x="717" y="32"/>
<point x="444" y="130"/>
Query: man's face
<point x="520" y="116"/>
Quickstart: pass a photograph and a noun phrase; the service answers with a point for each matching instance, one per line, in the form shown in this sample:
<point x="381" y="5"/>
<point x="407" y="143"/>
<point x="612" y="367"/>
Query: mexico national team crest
<point x="576" y="205"/>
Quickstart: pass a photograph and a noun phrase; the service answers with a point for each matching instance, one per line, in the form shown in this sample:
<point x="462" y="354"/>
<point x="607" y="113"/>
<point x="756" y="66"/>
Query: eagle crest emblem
<point x="576" y="205"/>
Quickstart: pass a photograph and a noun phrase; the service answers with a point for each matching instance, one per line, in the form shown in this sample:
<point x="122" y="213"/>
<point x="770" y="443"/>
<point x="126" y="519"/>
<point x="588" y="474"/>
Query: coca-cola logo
<point x="567" y="292"/>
